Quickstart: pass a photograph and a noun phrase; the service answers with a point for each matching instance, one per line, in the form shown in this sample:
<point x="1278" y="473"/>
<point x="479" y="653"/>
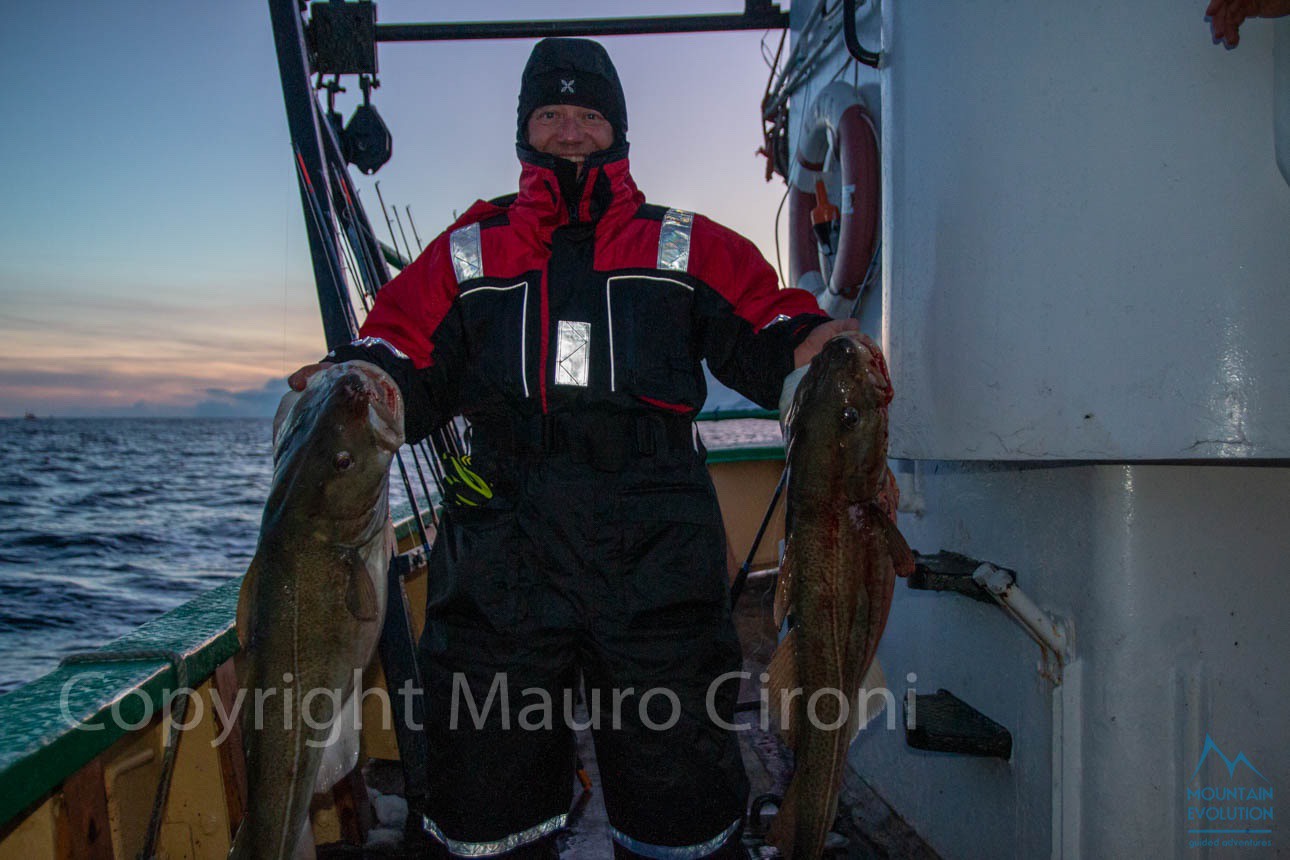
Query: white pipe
<point x="1049" y="633"/>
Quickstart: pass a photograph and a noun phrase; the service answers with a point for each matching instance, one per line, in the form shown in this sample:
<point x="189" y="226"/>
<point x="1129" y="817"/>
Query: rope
<point x="176" y="661"/>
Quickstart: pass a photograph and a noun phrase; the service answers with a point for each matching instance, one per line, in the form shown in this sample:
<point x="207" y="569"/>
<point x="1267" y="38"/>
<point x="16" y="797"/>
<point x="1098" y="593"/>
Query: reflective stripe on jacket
<point x="578" y="295"/>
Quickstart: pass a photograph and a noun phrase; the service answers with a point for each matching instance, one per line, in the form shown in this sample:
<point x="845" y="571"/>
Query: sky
<point x="153" y="259"/>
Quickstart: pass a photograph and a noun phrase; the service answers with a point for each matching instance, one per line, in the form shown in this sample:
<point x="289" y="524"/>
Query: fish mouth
<point x="375" y="394"/>
<point x="855" y="348"/>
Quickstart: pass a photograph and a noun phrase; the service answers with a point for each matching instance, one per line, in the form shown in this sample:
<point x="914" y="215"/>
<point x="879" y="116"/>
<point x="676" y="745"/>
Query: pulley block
<point x="366" y="141"/>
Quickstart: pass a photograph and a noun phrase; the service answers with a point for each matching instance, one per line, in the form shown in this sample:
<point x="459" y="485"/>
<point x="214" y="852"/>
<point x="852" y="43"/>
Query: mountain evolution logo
<point x="1235" y="814"/>
<point x="1211" y="747"/>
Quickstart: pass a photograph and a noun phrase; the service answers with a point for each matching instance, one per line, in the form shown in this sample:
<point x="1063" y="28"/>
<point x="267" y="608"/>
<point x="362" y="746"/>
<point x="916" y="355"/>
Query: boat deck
<point x="869" y="827"/>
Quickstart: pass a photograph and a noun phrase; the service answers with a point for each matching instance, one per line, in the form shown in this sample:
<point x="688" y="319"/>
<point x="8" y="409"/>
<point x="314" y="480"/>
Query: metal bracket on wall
<point x="942" y="722"/>
<point x="988" y="583"/>
<point x="948" y="571"/>
<point x="870" y="58"/>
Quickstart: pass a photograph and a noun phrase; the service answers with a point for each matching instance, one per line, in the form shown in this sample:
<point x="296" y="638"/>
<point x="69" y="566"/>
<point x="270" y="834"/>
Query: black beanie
<point x="572" y="72"/>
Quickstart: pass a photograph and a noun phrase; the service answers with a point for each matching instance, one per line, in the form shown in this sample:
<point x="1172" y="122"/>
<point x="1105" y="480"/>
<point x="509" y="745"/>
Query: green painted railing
<point x="746" y="454"/>
<point x="55" y="725"/>
<point x="743" y="453"/>
<point x="731" y="414"/>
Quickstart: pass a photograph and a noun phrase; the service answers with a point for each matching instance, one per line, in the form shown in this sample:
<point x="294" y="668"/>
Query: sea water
<point x="106" y="523"/>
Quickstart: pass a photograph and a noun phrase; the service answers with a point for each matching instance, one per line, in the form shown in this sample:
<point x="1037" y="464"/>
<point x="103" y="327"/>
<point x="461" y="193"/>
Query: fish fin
<point x="866" y="710"/>
<point x="360" y="593"/>
<point x="340" y="755"/>
<point x="246" y="603"/>
<point x="781" y="679"/>
<point x="784" y="587"/>
<point x="280" y="416"/>
<point x="902" y="557"/>
<point x="888" y="499"/>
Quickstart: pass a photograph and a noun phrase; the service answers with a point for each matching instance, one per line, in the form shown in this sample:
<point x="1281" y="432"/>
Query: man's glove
<point x="462" y="485"/>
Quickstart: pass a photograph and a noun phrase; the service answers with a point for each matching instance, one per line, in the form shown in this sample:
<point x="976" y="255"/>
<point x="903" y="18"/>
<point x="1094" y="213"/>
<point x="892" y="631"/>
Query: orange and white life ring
<point x="839" y="118"/>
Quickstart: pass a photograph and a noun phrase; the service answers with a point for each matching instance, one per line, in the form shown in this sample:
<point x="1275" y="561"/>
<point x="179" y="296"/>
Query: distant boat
<point x="31" y="416"/>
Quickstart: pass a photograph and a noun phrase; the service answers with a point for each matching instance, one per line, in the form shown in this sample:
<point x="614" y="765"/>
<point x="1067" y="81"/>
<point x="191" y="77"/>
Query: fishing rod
<point x="330" y="253"/>
<point x="447" y="441"/>
<point x="455" y="437"/>
<point x="358" y="233"/>
<point x="367" y="293"/>
<point x="369" y="270"/>
<point x="741" y="578"/>
<point x="399" y="221"/>
<point x="385" y="212"/>
<point x="421" y="475"/>
<point x="347" y="307"/>
<point x="413" y="225"/>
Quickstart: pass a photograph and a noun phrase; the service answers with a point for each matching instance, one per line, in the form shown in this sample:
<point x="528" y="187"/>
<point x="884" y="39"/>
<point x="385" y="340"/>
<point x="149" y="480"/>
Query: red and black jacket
<point x="577" y="296"/>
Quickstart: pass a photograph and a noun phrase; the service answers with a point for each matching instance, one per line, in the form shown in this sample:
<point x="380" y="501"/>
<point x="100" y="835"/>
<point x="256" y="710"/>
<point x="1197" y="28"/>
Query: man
<point x="567" y="324"/>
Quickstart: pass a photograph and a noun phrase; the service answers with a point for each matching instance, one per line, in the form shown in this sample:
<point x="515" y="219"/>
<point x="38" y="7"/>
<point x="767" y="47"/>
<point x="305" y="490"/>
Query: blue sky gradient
<point x="152" y="251"/>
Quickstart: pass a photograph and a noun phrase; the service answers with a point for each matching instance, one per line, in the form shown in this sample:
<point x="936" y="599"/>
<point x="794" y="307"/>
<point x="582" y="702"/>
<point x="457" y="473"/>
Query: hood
<point x="574" y="72"/>
<point x="552" y="194"/>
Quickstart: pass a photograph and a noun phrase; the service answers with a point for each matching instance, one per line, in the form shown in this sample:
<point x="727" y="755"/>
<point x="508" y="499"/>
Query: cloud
<point x="41" y="379"/>
<point x="71" y="394"/>
<point x="259" y="402"/>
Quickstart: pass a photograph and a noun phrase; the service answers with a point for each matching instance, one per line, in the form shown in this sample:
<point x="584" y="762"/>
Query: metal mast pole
<point x="297" y="93"/>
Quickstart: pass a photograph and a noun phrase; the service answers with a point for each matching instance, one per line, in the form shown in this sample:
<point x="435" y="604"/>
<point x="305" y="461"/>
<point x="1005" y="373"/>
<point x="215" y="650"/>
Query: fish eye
<point x="850" y="417"/>
<point x="342" y="460"/>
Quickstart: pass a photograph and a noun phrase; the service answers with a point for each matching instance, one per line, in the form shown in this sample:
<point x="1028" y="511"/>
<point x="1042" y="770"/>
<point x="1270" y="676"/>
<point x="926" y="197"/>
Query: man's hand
<point x="821" y="335"/>
<point x="1226" y="16"/>
<point x="300" y="378"/>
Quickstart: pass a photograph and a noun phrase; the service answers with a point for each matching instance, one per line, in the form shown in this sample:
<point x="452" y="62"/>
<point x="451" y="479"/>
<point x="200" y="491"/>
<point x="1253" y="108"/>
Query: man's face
<point x="569" y="131"/>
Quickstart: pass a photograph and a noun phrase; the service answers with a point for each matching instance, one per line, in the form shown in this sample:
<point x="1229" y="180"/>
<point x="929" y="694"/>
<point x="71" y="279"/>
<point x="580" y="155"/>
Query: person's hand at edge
<point x="819" y="336"/>
<point x="1226" y="16"/>
<point x="300" y="378"/>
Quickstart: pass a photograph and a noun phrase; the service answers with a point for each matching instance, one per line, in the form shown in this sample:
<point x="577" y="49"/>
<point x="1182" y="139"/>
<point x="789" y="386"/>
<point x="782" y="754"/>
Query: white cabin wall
<point x="1174" y="581"/>
<point x="1090" y="253"/>
<point x="1086" y="250"/>
<point x="1086" y="257"/>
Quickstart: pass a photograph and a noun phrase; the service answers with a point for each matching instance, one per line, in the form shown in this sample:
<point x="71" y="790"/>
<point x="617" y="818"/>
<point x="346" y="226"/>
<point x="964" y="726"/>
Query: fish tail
<point x="801" y="827"/>
<point x="799" y="832"/>
<point x="783" y="830"/>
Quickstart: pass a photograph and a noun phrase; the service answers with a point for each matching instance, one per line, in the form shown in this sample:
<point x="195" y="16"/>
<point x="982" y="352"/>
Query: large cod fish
<point x="841" y="559"/>
<point x="313" y="600"/>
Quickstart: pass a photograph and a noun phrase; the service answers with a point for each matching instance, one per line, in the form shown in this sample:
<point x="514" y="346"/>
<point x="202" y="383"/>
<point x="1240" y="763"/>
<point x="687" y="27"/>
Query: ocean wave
<point x="87" y="542"/>
<point x="34" y="621"/>
<point x="109" y="523"/>
<point x="20" y="482"/>
<point x="129" y="495"/>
